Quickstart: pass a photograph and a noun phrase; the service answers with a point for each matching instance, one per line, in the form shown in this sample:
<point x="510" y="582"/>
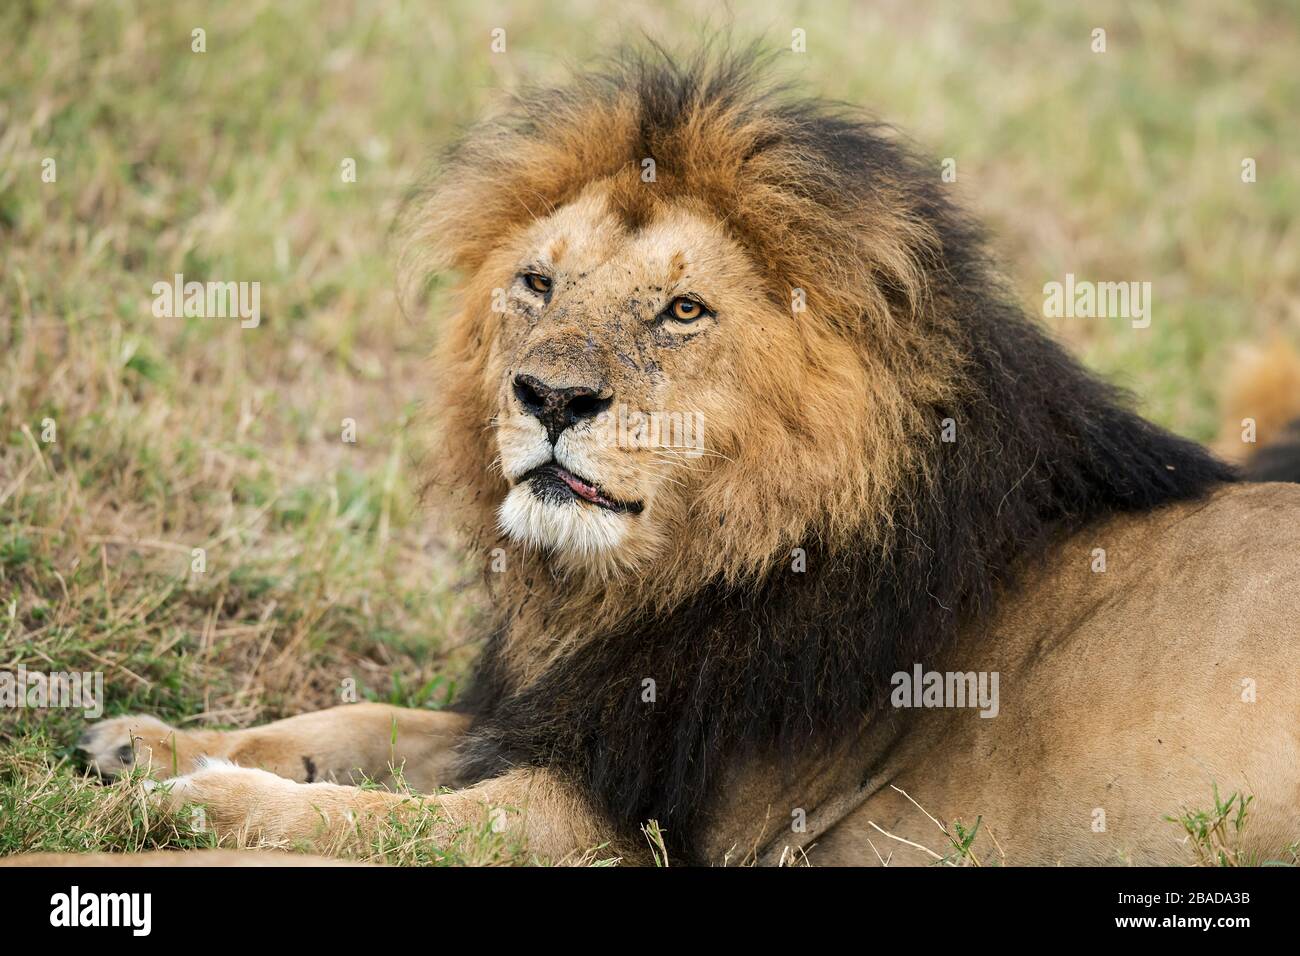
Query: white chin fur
<point x="567" y="527"/>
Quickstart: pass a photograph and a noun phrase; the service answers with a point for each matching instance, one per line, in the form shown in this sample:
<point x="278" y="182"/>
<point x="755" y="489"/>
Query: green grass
<point x="1214" y="836"/>
<point x="177" y="434"/>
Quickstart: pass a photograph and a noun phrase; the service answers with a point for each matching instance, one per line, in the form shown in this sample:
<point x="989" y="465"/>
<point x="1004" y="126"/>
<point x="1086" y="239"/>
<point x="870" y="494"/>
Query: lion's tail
<point x="1261" y="402"/>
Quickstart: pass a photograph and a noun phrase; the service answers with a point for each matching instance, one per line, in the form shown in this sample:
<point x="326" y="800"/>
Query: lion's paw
<point x="231" y="800"/>
<point x="112" y="747"/>
<point x="211" y="781"/>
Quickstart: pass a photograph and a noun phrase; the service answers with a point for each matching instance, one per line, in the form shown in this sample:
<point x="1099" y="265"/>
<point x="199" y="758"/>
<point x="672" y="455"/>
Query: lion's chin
<point x="572" y="528"/>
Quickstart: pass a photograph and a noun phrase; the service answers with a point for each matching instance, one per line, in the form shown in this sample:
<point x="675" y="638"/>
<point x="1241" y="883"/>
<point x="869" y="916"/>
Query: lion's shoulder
<point x="1211" y="565"/>
<point x="1247" y="524"/>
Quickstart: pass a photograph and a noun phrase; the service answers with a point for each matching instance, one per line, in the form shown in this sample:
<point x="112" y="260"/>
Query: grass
<point x="1216" y="837"/>
<point x="126" y="441"/>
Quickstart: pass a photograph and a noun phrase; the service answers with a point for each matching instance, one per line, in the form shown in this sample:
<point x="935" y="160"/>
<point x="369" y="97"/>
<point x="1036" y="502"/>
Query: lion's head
<point x="686" y="341"/>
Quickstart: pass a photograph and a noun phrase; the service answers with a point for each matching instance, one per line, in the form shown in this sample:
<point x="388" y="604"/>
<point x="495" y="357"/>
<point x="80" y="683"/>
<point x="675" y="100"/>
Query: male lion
<point x="885" y="472"/>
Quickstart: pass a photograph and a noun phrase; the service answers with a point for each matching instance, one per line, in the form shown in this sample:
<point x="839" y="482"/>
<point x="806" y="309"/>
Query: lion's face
<point x="622" y="371"/>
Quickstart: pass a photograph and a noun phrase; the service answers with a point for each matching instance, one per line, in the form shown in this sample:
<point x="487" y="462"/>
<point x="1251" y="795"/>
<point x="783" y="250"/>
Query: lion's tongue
<point x="582" y="489"/>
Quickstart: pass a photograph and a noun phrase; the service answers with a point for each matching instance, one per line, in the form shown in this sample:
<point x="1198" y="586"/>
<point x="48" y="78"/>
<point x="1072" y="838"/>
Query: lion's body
<point x="897" y="471"/>
<point x="1127" y="696"/>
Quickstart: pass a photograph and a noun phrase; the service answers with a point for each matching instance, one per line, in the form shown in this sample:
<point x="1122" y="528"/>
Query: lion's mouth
<point x="551" y="482"/>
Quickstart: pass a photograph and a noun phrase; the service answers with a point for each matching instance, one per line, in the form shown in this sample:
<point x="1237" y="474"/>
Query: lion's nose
<point x="558" y="408"/>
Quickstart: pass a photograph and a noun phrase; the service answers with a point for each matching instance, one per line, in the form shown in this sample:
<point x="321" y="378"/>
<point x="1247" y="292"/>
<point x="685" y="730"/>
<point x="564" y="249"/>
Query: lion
<point x="805" y="543"/>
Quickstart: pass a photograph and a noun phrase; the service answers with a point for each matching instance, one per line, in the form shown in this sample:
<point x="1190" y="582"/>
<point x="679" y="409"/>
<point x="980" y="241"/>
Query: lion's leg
<point x="348" y="743"/>
<point x="544" y="813"/>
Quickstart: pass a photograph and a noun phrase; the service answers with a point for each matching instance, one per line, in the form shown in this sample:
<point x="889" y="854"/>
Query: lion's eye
<point x="537" y="282"/>
<point x="685" y="309"/>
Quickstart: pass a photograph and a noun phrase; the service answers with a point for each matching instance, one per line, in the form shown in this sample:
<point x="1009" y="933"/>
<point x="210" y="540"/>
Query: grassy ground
<point x="175" y="434"/>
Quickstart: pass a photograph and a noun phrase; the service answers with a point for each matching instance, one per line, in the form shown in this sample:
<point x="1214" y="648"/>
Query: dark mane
<point x="788" y="661"/>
